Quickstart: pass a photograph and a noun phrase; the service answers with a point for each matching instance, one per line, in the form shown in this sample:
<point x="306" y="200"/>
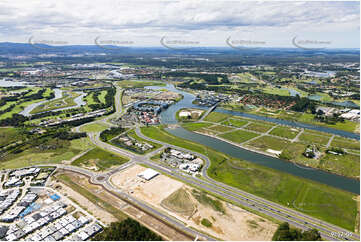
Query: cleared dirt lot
<point x="99" y="212"/>
<point x="228" y="222"/>
<point x="153" y="191"/>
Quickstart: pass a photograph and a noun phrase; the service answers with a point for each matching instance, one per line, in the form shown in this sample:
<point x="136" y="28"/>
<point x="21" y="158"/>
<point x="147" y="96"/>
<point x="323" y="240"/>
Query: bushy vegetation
<point x="127" y="230"/>
<point x="203" y="198"/>
<point x="109" y="99"/>
<point x="285" y="233"/>
<point x="206" y="222"/>
<point x="108" y="134"/>
<point x="100" y="158"/>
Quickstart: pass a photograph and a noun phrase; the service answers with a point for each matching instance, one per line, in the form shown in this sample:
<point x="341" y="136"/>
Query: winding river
<point x="26" y="112"/>
<point x="58" y="94"/>
<point x="168" y="117"/>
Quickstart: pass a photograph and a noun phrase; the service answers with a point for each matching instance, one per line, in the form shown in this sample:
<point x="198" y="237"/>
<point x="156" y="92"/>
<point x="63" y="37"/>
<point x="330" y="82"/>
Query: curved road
<point x="248" y="200"/>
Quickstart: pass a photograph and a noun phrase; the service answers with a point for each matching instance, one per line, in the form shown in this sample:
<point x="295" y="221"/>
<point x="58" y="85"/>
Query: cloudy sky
<point x="201" y="23"/>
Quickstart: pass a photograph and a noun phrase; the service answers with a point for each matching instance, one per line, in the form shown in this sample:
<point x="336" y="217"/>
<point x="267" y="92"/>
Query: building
<point x="148" y="174"/>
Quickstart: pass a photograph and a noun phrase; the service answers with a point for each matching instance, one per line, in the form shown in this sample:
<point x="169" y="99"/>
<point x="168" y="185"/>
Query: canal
<point x="168" y="117"/>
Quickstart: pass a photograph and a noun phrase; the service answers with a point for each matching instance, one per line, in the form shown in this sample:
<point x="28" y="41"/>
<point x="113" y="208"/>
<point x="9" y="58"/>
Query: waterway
<point x="168" y="117"/>
<point x="26" y="112"/>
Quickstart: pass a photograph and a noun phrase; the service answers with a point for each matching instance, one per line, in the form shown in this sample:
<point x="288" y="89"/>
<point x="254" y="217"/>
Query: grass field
<point x="18" y="108"/>
<point x="65" y="151"/>
<point x="346" y="165"/>
<point x="239" y="136"/>
<point x="216" y="117"/>
<point x="235" y="122"/>
<point x="93" y="127"/>
<point x="294" y="151"/>
<point x="220" y="128"/>
<point x="100" y="159"/>
<point x="348" y="126"/>
<point x="9" y="135"/>
<point x="195" y="126"/>
<point x="310" y="138"/>
<point x="346" y="143"/>
<point x="138" y="84"/>
<point x="102" y="96"/>
<point x="268" y="142"/>
<point x="276" y="91"/>
<point x="271" y="184"/>
<point x="64" y="102"/>
<point x="89" y="99"/>
<point x="259" y="127"/>
<point x="7" y="104"/>
<point x="285" y="132"/>
<point x="311" y="131"/>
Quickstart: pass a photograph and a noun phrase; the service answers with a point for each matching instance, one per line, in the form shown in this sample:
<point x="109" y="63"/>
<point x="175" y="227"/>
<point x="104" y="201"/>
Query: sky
<point x="178" y="24"/>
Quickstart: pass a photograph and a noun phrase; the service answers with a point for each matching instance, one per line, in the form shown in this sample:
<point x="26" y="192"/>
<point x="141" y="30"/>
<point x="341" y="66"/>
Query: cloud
<point x="83" y="20"/>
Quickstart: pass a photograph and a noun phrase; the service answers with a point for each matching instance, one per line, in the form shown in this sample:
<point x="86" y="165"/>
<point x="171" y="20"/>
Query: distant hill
<point x="37" y="49"/>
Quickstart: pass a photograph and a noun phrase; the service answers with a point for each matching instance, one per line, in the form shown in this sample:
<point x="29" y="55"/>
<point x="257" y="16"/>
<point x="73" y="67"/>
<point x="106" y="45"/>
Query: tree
<point x="312" y="234"/>
<point x="127" y="230"/>
<point x="285" y="233"/>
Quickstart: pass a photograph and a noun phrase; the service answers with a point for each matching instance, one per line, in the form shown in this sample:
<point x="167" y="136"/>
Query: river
<point x="168" y="117"/>
<point x="26" y="112"/>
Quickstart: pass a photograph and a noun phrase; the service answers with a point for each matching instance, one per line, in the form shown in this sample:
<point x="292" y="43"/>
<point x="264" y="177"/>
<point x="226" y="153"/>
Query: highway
<point x="232" y="194"/>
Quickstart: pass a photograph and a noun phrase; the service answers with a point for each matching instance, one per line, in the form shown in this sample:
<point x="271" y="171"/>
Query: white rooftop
<point x="148" y="174"/>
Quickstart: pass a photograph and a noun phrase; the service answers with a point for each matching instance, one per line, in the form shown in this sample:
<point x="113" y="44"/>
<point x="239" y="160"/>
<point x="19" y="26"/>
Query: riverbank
<point x="270" y="184"/>
<point x="302" y="166"/>
<point x="347" y="129"/>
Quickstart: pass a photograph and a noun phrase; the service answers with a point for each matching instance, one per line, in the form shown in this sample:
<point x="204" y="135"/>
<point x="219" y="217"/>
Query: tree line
<point x="127" y="230"/>
<point x="286" y="233"/>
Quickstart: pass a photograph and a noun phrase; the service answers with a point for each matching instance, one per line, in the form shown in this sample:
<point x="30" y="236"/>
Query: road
<point x="235" y="195"/>
<point x="251" y="201"/>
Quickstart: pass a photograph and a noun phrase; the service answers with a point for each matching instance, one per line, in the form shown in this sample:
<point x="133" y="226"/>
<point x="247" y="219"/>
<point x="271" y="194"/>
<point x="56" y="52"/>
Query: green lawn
<point x="89" y="99"/>
<point x="220" y="128"/>
<point x="268" y="142"/>
<point x="18" y="108"/>
<point x="346" y="165"/>
<point x="285" y="132"/>
<point x="309" y="138"/>
<point x="311" y="131"/>
<point x="259" y="127"/>
<point x="102" y="96"/>
<point x="216" y="117"/>
<point x="195" y="126"/>
<point x="276" y="91"/>
<point x="100" y="158"/>
<point x="348" y="126"/>
<point x="48" y="92"/>
<point x="7" y="104"/>
<point x="346" y="143"/>
<point x="66" y="101"/>
<point x="235" y="122"/>
<point x="93" y="127"/>
<point x="271" y="184"/>
<point x="34" y="156"/>
<point x="239" y="136"/>
<point x="138" y="84"/>
<point x="9" y="135"/>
